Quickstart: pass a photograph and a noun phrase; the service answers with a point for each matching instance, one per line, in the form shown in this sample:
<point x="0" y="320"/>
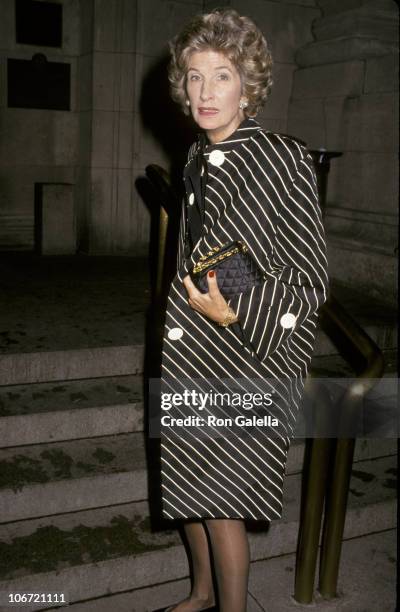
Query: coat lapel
<point x="217" y="154"/>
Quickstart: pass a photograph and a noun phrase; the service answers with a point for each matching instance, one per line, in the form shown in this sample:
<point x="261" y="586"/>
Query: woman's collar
<point x="247" y="128"/>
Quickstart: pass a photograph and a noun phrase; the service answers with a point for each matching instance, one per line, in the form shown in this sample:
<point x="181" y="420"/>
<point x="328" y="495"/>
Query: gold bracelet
<point x="230" y="317"/>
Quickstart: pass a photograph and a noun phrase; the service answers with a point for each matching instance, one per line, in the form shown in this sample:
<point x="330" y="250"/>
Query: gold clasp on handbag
<point x="214" y="256"/>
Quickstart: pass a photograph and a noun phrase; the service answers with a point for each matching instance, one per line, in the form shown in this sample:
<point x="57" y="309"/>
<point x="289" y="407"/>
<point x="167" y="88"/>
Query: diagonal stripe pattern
<point x="261" y="188"/>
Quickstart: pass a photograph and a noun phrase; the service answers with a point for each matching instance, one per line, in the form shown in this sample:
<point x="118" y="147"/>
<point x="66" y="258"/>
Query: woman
<point x="242" y="183"/>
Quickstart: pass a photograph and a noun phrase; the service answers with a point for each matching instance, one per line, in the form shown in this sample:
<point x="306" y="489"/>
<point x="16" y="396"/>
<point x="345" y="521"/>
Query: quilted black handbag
<point x="236" y="270"/>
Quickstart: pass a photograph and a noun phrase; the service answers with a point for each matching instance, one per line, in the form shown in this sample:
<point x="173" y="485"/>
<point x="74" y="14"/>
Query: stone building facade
<point x="335" y="73"/>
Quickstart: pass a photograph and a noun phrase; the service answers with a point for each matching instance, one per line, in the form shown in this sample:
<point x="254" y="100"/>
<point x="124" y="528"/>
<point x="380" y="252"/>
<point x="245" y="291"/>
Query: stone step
<point x="59" y="477"/>
<point x="334" y="366"/>
<point x="107" y="361"/>
<point x="353" y="259"/>
<point x="372" y="591"/>
<point x="75" y="361"/>
<point x="70" y="364"/>
<point x="151" y="598"/>
<point x="68" y="476"/>
<point x="77" y="317"/>
<point x="110" y="550"/>
<point x="377" y="318"/>
<point x="47" y="412"/>
<point x="71" y="317"/>
<point x="383" y="334"/>
<point x="272" y="580"/>
<point x="39" y="413"/>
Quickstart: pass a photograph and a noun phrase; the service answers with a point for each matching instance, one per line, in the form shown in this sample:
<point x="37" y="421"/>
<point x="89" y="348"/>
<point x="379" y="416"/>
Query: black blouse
<point x="199" y="181"/>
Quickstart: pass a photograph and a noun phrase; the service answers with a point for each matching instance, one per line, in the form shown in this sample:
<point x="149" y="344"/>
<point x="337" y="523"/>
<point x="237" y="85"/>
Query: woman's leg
<point x="202" y="595"/>
<point x="231" y="554"/>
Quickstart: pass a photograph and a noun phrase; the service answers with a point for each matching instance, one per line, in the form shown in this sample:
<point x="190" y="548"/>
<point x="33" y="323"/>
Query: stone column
<point x="345" y="98"/>
<point x="125" y="119"/>
<point x="107" y="79"/>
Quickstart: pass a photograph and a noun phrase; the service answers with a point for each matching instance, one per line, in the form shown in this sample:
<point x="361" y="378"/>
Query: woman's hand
<point x="212" y="304"/>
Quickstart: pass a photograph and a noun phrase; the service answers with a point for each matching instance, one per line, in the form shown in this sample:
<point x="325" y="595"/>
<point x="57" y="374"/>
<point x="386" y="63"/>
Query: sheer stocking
<point x="202" y="595"/>
<point x="231" y="555"/>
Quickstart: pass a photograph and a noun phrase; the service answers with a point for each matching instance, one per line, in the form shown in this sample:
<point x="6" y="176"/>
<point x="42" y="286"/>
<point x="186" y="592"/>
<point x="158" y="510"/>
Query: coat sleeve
<point x="269" y="313"/>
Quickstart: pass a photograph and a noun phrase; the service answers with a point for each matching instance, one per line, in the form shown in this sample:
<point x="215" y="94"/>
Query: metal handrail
<point x="333" y="456"/>
<point x="317" y="458"/>
<point x="364" y="356"/>
<point x="161" y="182"/>
<point x="324" y="454"/>
<point x="334" y="316"/>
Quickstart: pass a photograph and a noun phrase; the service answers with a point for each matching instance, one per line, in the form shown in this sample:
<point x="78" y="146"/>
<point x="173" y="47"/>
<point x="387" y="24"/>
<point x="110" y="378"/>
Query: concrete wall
<point x="287" y="27"/>
<point x="36" y="146"/>
<point x="345" y="98"/>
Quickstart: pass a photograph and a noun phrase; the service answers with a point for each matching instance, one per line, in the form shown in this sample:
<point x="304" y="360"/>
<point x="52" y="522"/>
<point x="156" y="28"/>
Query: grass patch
<point x="102" y="455"/>
<point x="50" y="548"/>
<point x="60" y="461"/>
<point x="20" y="470"/>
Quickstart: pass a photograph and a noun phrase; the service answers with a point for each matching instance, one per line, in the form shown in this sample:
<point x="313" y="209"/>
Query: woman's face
<point x="214" y="89"/>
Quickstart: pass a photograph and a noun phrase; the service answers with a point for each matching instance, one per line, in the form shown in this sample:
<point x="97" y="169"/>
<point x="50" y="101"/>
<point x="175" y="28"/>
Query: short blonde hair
<point x="225" y="31"/>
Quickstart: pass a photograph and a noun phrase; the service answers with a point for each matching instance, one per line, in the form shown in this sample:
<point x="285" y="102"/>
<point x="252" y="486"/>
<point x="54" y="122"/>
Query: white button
<point x="191" y="198"/>
<point x="288" y="320"/>
<point x="175" y="333"/>
<point x="217" y="157"/>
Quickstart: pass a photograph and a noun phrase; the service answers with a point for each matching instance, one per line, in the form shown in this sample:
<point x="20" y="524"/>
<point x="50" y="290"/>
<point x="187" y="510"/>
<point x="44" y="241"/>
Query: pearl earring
<point x="243" y="104"/>
<point x="187" y="102"/>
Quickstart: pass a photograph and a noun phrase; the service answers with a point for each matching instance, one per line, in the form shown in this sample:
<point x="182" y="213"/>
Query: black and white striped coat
<point x="261" y="188"/>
